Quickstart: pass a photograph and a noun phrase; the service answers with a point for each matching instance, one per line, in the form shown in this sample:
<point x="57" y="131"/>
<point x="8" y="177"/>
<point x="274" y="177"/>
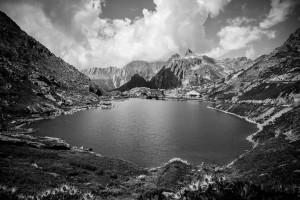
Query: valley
<point x="35" y="84"/>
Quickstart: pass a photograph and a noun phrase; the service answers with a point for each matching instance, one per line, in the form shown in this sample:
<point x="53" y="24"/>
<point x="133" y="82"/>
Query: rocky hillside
<point x="267" y="93"/>
<point x="234" y="64"/>
<point x="272" y="79"/>
<point x="196" y="70"/>
<point x="33" y="80"/>
<point x="113" y="77"/>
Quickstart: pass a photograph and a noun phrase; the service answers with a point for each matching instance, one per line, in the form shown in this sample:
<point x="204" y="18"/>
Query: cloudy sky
<point x="102" y="33"/>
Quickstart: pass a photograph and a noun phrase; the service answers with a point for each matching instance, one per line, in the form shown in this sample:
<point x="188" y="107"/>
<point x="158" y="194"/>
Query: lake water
<point x="149" y="132"/>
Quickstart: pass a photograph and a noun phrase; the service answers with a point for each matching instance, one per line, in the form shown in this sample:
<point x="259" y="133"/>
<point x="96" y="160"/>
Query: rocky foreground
<point x="49" y="168"/>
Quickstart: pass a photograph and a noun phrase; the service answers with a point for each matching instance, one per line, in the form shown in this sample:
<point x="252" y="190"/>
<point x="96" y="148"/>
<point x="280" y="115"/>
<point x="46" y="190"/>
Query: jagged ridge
<point x="113" y="77"/>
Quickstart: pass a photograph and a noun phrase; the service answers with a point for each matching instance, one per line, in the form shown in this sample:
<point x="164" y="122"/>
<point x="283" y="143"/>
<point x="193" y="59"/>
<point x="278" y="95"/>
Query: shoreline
<point x="82" y="108"/>
<point x="258" y="125"/>
<point x="140" y="174"/>
<point x="76" y="109"/>
<point x="249" y="138"/>
<point x="25" y="121"/>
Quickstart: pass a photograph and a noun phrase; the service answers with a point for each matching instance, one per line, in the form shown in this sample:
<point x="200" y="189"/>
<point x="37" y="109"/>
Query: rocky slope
<point x="272" y="79"/>
<point x="112" y="77"/>
<point x="196" y="70"/>
<point x="267" y="93"/>
<point x="33" y="80"/>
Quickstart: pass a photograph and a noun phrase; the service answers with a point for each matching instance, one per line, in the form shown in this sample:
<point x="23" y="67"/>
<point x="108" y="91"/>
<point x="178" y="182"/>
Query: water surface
<point x="150" y="132"/>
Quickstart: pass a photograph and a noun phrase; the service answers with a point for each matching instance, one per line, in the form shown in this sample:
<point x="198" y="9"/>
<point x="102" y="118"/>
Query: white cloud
<point x="280" y="9"/>
<point x="250" y="52"/>
<point x="234" y="37"/>
<point x="213" y="6"/>
<point x="242" y="31"/>
<point x="240" y="21"/>
<point x="73" y="30"/>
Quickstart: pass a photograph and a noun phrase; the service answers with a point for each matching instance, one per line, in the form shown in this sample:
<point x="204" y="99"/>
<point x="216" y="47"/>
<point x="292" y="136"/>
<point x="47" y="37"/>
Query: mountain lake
<point x="151" y="132"/>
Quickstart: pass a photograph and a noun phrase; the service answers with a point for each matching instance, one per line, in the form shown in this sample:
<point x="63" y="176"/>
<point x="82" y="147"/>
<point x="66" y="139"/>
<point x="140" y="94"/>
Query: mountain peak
<point x="189" y="53"/>
<point x="173" y="57"/>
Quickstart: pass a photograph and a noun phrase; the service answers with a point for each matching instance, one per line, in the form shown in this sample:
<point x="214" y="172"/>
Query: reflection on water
<point x="150" y="132"/>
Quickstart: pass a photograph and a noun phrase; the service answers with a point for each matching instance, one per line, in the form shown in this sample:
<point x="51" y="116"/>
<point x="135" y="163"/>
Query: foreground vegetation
<point x="48" y="168"/>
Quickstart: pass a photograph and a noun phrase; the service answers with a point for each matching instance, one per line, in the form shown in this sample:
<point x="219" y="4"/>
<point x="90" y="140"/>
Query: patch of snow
<point x="187" y="57"/>
<point x="195" y="67"/>
<point x="277" y="115"/>
<point x="35" y="165"/>
<point x="291" y="136"/>
<point x="171" y="195"/>
<point x="141" y="177"/>
<point x="277" y="132"/>
<point x="236" y="75"/>
<point x="207" y="77"/>
<point x="231" y="163"/>
<point x="282" y="77"/>
<point x="265" y="114"/>
<point x="185" y="82"/>
<point x="50" y="97"/>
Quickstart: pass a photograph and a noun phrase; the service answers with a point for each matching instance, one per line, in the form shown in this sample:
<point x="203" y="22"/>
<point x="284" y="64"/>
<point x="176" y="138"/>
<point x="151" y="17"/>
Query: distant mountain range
<point x="195" y="70"/>
<point x="112" y="77"/>
<point x="192" y="69"/>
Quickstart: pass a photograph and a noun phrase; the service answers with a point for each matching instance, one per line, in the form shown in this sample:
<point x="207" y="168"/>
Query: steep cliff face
<point x="113" y="77"/>
<point x="103" y="77"/>
<point x="33" y="80"/>
<point x="165" y="79"/>
<point x="196" y="70"/>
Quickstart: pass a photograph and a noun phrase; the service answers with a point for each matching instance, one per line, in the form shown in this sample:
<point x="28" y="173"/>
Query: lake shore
<point x="73" y="172"/>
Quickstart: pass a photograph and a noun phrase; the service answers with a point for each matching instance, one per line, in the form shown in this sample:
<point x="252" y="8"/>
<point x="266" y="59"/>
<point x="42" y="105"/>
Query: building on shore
<point x="193" y="94"/>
